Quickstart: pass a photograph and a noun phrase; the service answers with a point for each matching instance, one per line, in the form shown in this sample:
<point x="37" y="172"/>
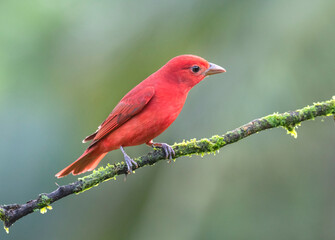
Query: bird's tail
<point x="86" y="162"/>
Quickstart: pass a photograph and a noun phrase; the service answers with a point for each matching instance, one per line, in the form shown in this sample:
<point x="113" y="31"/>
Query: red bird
<point x="145" y="112"/>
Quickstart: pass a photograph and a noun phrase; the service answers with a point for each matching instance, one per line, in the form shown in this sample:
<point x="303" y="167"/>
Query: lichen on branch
<point x="9" y="214"/>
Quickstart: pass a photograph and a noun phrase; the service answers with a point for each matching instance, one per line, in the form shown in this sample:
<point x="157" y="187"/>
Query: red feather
<point x="146" y="111"/>
<point x="129" y="106"/>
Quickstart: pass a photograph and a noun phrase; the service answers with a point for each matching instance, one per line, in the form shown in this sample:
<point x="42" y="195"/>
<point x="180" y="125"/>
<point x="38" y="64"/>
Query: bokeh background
<point x="65" y="64"/>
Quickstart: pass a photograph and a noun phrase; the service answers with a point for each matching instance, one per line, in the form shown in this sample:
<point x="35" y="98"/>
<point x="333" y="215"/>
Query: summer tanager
<point x="145" y="112"/>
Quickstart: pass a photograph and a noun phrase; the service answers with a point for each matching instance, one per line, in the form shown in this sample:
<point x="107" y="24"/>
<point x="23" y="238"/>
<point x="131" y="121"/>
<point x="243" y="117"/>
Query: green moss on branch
<point x="288" y="120"/>
<point x="2" y="215"/>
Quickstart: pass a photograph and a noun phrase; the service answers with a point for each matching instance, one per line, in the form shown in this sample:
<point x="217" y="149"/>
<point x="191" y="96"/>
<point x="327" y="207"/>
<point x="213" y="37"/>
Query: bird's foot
<point x="129" y="161"/>
<point x="168" y="150"/>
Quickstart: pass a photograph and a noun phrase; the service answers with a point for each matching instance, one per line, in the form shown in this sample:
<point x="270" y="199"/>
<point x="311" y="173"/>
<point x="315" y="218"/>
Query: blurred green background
<point x="65" y="64"/>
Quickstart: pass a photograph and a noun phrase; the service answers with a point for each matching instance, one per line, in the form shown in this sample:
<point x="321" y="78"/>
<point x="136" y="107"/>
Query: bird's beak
<point x="214" y="69"/>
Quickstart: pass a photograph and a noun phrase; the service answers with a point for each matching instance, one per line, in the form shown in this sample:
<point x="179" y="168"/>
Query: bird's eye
<point x="195" y="69"/>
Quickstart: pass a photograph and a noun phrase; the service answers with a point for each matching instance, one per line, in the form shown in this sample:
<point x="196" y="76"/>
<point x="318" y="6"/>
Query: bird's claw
<point x="130" y="162"/>
<point x="168" y="150"/>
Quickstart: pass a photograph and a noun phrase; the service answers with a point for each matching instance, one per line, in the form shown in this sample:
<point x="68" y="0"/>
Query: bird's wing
<point x="129" y="106"/>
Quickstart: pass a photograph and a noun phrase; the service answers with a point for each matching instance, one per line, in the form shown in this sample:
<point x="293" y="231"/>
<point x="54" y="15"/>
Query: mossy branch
<point x="9" y="214"/>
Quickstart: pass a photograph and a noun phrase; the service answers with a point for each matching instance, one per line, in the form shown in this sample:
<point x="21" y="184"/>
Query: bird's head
<point x="189" y="70"/>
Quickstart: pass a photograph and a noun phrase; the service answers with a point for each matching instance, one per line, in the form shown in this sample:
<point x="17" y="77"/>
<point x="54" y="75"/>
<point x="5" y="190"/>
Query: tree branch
<point x="9" y="214"/>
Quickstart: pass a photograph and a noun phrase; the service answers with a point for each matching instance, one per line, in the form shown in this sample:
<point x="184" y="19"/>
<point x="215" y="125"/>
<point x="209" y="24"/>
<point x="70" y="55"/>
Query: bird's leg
<point x="129" y="160"/>
<point x="169" y="152"/>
